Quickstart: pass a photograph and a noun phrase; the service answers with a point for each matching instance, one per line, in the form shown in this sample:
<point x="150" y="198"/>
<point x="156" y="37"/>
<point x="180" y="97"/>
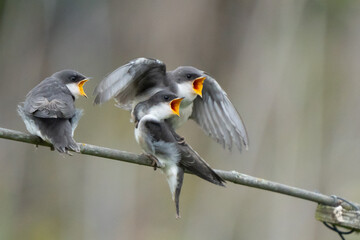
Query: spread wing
<point x="218" y="117"/>
<point x="50" y="99"/>
<point x="134" y="79"/>
<point x="189" y="159"/>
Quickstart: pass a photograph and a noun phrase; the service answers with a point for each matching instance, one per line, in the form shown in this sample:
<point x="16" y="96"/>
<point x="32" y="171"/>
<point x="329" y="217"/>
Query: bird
<point x="204" y="101"/>
<point x="164" y="146"/>
<point x="49" y="109"/>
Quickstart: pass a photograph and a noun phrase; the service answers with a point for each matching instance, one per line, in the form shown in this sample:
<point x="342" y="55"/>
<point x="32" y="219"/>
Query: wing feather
<point x="218" y="117"/>
<point x="213" y="123"/>
<point x="227" y="135"/>
<point x="129" y="81"/>
<point x="173" y="144"/>
<point x="50" y="99"/>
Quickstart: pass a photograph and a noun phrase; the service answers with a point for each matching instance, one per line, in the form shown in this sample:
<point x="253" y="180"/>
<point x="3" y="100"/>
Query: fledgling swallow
<point x="204" y="100"/>
<point x="49" y="110"/>
<point x="170" y="151"/>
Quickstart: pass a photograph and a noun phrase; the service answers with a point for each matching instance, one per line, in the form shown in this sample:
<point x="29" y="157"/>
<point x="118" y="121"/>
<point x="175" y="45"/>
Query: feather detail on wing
<point x="41" y="107"/>
<point x="50" y="99"/>
<point x="129" y="81"/>
<point x="218" y="117"/>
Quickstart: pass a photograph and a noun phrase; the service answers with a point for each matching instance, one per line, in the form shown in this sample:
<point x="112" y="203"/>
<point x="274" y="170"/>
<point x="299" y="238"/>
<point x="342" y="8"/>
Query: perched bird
<point x="49" y="110"/>
<point x="204" y="100"/>
<point x="170" y="151"/>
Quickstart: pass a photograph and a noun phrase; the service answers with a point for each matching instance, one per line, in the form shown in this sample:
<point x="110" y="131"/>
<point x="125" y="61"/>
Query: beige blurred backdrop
<point x="291" y="68"/>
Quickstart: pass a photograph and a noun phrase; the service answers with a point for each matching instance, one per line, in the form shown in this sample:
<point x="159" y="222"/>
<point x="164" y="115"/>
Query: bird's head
<point x="73" y="80"/>
<point x="161" y="105"/>
<point x="190" y="82"/>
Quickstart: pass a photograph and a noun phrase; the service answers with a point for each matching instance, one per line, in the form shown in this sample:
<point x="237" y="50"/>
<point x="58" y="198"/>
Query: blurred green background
<point x="291" y="68"/>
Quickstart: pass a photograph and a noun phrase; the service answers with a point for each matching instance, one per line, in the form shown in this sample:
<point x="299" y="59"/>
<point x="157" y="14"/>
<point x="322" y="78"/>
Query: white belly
<point x="32" y="127"/>
<point x="171" y="172"/>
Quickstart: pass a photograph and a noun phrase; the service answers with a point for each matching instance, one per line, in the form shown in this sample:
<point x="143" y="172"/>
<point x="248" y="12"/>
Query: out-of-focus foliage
<point x="290" y="67"/>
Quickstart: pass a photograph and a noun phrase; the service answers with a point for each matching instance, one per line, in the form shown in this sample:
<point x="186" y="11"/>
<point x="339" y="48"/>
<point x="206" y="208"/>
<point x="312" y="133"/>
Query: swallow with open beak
<point x="204" y="100"/>
<point x="159" y="140"/>
<point x="49" y="110"/>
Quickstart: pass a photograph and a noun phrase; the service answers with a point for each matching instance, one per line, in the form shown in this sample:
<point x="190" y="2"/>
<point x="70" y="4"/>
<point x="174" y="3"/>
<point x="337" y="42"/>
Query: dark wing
<point x="218" y="117"/>
<point x="160" y="140"/>
<point x="140" y="76"/>
<point x="192" y="162"/>
<point x="189" y="159"/>
<point x="160" y="131"/>
<point x="50" y="99"/>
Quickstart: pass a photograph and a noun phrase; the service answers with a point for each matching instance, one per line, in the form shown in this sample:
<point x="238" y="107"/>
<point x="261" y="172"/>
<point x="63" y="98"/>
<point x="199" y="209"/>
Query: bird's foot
<point x="69" y="153"/>
<point x="155" y="162"/>
<point x="75" y="147"/>
<point x="180" y="140"/>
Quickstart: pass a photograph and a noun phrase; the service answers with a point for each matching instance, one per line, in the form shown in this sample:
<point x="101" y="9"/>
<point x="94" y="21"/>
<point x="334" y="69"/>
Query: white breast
<point x="185" y="113"/>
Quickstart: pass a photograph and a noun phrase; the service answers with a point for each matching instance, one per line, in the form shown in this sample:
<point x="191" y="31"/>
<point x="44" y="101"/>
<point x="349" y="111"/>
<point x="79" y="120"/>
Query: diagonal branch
<point x="231" y="176"/>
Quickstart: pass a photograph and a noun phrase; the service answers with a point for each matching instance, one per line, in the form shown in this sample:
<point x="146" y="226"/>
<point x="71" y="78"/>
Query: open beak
<point x="175" y="105"/>
<point x="81" y="89"/>
<point x="198" y="85"/>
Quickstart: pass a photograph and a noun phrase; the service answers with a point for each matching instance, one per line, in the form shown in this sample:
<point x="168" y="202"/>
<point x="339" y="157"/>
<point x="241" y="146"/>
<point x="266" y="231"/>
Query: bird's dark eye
<point x="73" y="78"/>
<point x="166" y="97"/>
<point x="188" y="76"/>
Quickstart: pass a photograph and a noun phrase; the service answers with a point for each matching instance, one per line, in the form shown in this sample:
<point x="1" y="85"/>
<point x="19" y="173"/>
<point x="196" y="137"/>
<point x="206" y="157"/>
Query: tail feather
<point x="59" y="132"/>
<point x="180" y="179"/>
